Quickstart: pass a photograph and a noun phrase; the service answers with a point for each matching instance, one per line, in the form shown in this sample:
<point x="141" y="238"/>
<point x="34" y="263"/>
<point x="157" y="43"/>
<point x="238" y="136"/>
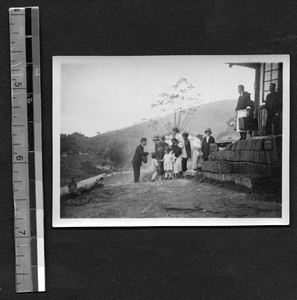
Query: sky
<point x="99" y="93"/>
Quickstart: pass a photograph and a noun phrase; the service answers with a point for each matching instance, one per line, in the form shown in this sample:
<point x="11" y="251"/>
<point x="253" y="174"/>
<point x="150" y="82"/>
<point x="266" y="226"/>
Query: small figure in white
<point x="155" y="167"/>
<point x="168" y="163"/>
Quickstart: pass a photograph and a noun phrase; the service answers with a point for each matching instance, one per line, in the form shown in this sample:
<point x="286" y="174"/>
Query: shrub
<point x="116" y="154"/>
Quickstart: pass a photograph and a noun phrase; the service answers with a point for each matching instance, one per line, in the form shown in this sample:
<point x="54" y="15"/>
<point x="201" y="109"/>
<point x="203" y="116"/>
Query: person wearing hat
<point x="137" y="158"/>
<point x="186" y="152"/>
<point x="207" y="140"/>
<point x="177" y="151"/>
<point x="176" y="134"/>
<point x="160" y="154"/>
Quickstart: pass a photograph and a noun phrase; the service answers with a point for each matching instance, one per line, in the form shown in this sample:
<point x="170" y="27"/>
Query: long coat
<point x="137" y="158"/>
<point x="205" y="146"/>
<point x="273" y="103"/>
<point x="187" y="145"/>
<point x="243" y="101"/>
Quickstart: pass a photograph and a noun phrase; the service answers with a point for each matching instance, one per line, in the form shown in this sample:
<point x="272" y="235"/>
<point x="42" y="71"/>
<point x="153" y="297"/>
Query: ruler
<point x="27" y="149"/>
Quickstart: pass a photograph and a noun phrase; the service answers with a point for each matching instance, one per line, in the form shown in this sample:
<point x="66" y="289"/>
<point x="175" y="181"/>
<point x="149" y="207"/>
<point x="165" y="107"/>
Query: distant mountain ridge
<point x="213" y="115"/>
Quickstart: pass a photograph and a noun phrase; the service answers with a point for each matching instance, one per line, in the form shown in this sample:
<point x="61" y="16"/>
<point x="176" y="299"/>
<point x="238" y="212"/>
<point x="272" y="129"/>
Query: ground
<point x="180" y="198"/>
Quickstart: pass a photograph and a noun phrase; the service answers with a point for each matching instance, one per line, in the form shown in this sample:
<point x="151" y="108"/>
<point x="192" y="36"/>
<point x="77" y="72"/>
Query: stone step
<point x="226" y="167"/>
<point x="249" y="183"/>
<point x="216" y="167"/>
<point x="263" y="157"/>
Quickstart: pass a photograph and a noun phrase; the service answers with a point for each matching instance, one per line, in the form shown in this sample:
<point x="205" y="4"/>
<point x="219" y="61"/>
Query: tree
<point x="115" y="153"/>
<point x="178" y="106"/>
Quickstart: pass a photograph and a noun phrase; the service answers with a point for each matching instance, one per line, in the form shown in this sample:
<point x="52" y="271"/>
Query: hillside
<point x="123" y="141"/>
<point x="116" y="148"/>
<point x="213" y="115"/>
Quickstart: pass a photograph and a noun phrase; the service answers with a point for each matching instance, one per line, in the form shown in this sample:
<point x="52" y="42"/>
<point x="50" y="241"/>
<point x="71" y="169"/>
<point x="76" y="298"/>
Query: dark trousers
<point x="243" y="135"/>
<point x="136" y="170"/>
<point x="161" y="164"/>
<point x="184" y="164"/>
<point x="274" y="120"/>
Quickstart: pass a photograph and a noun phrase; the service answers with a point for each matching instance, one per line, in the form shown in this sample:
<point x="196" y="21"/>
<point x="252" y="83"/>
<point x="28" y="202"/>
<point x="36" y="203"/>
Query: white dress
<point x="168" y="162"/>
<point x="196" y="152"/>
<point x="177" y="166"/>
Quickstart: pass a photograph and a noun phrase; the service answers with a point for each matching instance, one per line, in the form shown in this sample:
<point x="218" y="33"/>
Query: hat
<point x="156" y="138"/>
<point x="185" y="134"/>
<point x="208" y="129"/>
<point x="174" y="140"/>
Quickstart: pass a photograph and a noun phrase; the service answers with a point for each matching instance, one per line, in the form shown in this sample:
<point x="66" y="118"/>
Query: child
<point x="155" y="167"/>
<point x="72" y="186"/>
<point x="177" y="151"/>
<point x="168" y="163"/>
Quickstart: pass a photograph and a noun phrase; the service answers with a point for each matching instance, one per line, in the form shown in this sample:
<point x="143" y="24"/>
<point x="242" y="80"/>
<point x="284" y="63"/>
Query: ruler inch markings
<point x="27" y="166"/>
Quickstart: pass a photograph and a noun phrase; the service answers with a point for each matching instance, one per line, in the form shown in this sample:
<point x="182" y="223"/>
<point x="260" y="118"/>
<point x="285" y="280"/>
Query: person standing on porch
<point x="273" y="107"/>
<point x="241" y="108"/>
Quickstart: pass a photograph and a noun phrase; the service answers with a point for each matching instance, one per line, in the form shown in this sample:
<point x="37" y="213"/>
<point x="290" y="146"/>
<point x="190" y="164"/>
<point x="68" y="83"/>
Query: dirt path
<point x="120" y="198"/>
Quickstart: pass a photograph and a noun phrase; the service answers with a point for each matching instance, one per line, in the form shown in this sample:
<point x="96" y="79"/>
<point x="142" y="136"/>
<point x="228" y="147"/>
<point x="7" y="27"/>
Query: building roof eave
<point x="247" y="65"/>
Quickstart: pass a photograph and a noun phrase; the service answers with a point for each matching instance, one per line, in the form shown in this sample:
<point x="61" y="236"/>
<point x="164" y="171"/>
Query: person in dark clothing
<point x="207" y="140"/>
<point x="273" y="107"/>
<point x="177" y="151"/>
<point x="137" y="158"/>
<point x="250" y="120"/>
<point x="160" y="153"/>
<point x="242" y="104"/>
<point x="72" y="186"/>
<point x="186" y="152"/>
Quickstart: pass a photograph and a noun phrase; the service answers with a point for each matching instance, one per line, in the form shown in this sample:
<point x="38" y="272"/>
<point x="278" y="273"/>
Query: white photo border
<point x="175" y="222"/>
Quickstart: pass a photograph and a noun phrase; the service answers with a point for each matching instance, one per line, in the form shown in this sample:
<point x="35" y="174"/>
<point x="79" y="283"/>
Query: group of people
<point x="246" y="122"/>
<point x="171" y="161"/>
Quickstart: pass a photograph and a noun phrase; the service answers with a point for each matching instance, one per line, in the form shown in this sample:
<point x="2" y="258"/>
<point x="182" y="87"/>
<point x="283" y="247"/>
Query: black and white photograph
<point x="170" y="140"/>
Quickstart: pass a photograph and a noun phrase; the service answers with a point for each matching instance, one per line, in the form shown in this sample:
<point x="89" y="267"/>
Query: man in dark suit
<point x="137" y="158"/>
<point x="207" y="140"/>
<point x="242" y="103"/>
<point x="273" y="106"/>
